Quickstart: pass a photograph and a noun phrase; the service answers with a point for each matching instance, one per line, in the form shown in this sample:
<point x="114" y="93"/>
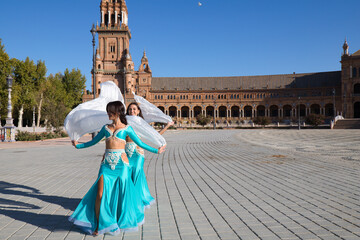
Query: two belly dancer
<point x="112" y="205"/>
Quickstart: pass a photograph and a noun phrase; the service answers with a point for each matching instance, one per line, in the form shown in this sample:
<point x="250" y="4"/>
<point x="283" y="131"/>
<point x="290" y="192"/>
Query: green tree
<point x="203" y="120"/>
<point x="261" y="120"/>
<point x="24" y="87"/>
<point x="74" y="85"/>
<point x="54" y="107"/>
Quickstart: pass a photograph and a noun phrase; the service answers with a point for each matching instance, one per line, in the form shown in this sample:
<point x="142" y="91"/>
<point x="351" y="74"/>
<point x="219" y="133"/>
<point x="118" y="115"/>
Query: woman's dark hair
<point x="137" y="105"/>
<point x="118" y="109"/>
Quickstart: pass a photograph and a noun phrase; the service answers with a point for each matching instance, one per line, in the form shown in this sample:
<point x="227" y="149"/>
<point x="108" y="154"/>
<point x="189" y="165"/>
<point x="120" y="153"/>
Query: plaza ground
<point x="223" y="184"/>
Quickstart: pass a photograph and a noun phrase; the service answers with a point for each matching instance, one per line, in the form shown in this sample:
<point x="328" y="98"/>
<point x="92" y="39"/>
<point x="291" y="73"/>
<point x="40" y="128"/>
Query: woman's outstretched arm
<point x="94" y="141"/>
<point x="166" y="127"/>
<point x="136" y="139"/>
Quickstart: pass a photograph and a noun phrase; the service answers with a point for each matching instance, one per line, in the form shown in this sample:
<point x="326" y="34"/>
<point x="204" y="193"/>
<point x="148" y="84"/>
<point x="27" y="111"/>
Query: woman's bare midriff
<point x="115" y="143"/>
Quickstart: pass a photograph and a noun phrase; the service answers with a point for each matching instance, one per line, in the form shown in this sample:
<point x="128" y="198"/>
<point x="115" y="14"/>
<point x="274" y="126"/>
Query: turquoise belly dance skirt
<point x="136" y="161"/>
<point x="120" y="209"/>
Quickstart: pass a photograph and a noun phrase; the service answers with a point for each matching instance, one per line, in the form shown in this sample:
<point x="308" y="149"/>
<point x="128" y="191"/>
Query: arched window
<point x="197" y="110"/>
<point x="222" y="111"/>
<point x="172" y="111"/>
<point x="235" y="111"/>
<point x="161" y="108"/>
<point x="357" y="88"/>
<point x="315" y="108"/>
<point x="287" y="111"/>
<point x="354" y="72"/>
<point x="260" y="110"/>
<point x="155" y="97"/>
<point x="274" y="111"/>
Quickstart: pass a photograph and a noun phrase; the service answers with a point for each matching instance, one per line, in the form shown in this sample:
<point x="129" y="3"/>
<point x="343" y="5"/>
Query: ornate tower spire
<point x="346" y="48"/>
<point x="113" y="57"/>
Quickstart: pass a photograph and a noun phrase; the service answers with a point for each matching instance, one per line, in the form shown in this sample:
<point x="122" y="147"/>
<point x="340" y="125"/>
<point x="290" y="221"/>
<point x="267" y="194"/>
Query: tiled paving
<point x="223" y="184"/>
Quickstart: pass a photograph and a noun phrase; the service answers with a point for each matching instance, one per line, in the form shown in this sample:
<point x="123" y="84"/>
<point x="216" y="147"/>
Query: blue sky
<point x="182" y="39"/>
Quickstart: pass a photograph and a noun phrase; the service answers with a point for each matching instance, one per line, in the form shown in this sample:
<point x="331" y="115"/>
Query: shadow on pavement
<point x="13" y="189"/>
<point x="19" y="210"/>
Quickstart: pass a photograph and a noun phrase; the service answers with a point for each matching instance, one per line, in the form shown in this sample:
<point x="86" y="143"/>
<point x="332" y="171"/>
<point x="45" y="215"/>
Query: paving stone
<point x="248" y="184"/>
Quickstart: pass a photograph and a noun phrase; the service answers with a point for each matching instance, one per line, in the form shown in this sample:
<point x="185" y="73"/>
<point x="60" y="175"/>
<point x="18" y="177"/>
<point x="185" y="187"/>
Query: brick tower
<point x="350" y="71"/>
<point x="113" y="59"/>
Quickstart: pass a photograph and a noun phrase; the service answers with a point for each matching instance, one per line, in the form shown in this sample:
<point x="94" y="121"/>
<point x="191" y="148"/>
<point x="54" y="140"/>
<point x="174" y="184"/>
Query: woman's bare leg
<point x="98" y="201"/>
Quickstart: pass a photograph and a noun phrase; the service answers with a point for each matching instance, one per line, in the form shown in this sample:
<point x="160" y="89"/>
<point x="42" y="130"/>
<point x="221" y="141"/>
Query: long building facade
<point x="283" y="97"/>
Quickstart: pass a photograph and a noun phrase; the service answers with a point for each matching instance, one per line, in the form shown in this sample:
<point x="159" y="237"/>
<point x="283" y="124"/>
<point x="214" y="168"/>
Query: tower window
<point x="354" y="72"/>
<point x="106" y="19"/>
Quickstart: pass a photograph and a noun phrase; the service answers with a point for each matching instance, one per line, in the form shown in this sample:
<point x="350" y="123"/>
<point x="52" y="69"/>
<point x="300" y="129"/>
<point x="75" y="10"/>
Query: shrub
<point x="28" y="136"/>
<point x="203" y="120"/>
<point x="314" y="119"/>
<point x="260" y="120"/>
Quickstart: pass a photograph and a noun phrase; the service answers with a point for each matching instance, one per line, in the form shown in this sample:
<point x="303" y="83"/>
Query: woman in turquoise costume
<point x="136" y="160"/>
<point x="112" y="205"/>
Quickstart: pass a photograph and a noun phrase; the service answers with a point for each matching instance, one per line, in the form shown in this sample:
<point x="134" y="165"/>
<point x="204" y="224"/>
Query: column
<point x="115" y="17"/>
<point x="255" y="112"/>
<point x="122" y="17"/>
<point x="102" y="17"/>
<point x="252" y="112"/>
<point x="306" y="111"/>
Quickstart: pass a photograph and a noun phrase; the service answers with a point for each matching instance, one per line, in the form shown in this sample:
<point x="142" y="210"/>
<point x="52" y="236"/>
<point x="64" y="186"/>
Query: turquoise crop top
<point x="120" y="134"/>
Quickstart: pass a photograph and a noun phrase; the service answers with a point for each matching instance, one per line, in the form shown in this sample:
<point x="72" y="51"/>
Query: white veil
<point x="91" y="116"/>
<point x="150" y="112"/>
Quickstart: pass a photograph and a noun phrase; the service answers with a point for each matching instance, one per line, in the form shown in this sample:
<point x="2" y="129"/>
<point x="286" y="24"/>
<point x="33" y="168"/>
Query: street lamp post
<point x="214" y="112"/>
<point x="8" y="130"/>
<point x="93" y="33"/>
<point x="124" y="85"/>
<point x="334" y="109"/>
<point x="299" y="113"/>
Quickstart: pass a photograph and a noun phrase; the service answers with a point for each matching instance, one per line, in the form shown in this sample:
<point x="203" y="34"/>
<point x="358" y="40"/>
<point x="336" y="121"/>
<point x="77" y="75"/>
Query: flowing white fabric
<point x="90" y="116"/>
<point x="145" y="131"/>
<point x="150" y="112"/>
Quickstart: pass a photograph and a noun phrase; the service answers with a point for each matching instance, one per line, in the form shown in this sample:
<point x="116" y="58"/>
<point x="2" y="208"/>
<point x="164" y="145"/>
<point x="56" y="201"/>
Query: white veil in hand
<point x="150" y="112"/>
<point x="145" y="131"/>
<point x="91" y="116"/>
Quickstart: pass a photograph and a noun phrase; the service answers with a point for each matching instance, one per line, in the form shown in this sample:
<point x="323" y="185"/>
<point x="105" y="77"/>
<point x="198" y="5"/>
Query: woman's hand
<point x="74" y="143"/>
<point x="161" y="149"/>
<point x="169" y="124"/>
